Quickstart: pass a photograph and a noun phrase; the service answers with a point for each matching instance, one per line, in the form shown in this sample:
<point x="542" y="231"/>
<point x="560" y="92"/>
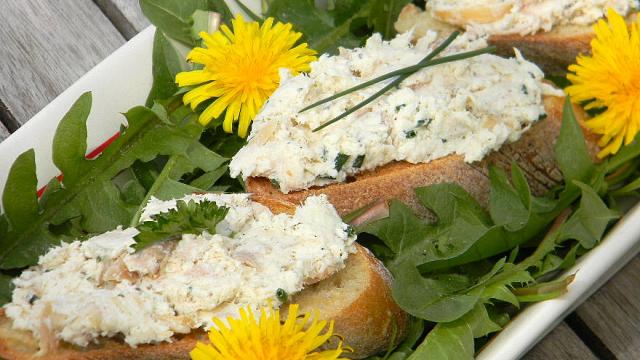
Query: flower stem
<point x="162" y="178"/>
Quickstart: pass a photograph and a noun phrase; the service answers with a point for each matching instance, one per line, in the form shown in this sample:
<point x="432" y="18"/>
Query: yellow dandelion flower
<point x="610" y="78"/>
<point x="241" y="69"/>
<point x="268" y="338"/>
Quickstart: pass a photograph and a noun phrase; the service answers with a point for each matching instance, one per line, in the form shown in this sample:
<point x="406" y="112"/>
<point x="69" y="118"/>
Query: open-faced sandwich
<point x="422" y="125"/>
<point x="550" y="33"/>
<point x="442" y="124"/>
<point x="112" y="295"/>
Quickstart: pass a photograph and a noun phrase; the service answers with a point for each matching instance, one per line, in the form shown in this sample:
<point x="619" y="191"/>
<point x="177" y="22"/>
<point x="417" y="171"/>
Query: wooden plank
<point x="46" y="46"/>
<point x="125" y="15"/>
<point x="613" y="313"/>
<point x="4" y="133"/>
<point x="561" y="344"/>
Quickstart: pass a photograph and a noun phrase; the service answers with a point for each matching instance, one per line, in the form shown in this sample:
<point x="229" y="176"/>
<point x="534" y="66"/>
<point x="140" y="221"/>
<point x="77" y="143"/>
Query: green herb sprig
<point x="401" y="75"/>
<point x="187" y="218"/>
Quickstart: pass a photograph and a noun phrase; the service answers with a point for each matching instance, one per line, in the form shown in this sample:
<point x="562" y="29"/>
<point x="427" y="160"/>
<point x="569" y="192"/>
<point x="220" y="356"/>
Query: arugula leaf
<point x="174" y="17"/>
<point x="187" y="218"/>
<point x="88" y="200"/>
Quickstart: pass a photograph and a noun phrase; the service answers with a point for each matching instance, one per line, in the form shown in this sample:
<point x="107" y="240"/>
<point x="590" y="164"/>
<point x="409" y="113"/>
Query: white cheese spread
<point x="523" y="16"/>
<point x="100" y="287"/>
<point x="468" y="107"/>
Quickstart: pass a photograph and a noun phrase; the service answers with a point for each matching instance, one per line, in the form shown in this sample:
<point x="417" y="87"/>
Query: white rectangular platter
<point x="122" y="81"/>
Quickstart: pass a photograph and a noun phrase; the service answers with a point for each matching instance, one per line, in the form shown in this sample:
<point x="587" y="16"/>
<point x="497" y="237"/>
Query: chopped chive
<point x="282" y="295"/>
<point x="275" y="183"/>
<point x="357" y="163"/>
<point x="424" y="122"/>
<point x="542" y="117"/>
<point x="410" y="134"/>
<point x="340" y="160"/>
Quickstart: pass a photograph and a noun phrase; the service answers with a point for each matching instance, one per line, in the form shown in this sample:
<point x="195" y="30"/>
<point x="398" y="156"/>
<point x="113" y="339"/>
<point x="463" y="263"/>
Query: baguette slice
<point x="534" y="153"/>
<point x="553" y="51"/>
<point x="358" y="298"/>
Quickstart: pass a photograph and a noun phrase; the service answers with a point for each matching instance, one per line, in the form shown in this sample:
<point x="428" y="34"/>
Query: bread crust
<point x="553" y="51"/>
<point x="374" y="305"/>
<point x="534" y="153"/>
<point x="367" y="323"/>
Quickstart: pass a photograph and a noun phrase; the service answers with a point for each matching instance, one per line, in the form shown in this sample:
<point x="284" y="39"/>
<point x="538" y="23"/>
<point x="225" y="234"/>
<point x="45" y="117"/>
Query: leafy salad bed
<point x="461" y="277"/>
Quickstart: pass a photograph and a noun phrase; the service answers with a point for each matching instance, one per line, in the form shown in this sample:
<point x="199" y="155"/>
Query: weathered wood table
<point x="45" y="45"/>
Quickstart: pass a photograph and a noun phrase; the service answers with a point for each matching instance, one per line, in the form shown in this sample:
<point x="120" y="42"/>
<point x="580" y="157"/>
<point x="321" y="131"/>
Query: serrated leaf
<point x="571" y="151"/>
<point x="323" y="31"/>
<point x="502" y="293"/>
<point x="6" y="288"/>
<point x="89" y="201"/>
<point x="19" y="198"/>
<point x="519" y="182"/>
<point x="448" y="199"/>
<point x="70" y="141"/>
<point x="208" y="179"/>
<point x="454" y="340"/>
<point x="167" y="62"/>
<point x="173" y="17"/>
<point x="544" y="291"/>
<point x="172" y="189"/>
<point x="400" y="230"/>
<point x="187" y="218"/>
<point x="505" y="203"/>
<point x="383" y="15"/>
<point x="588" y="223"/>
<point x="438" y="299"/>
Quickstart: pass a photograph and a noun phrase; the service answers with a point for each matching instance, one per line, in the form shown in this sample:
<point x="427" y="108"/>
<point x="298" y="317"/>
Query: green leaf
<point x="208" y="179"/>
<point x="70" y="141"/>
<point x="207" y="21"/>
<point x="454" y="340"/>
<point x="6" y="288"/>
<point x="383" y="15"/>
<point x="588" y="223"/>
<point x="19" y="198"/>
<point x="571" y="151"/>
<point x="173" y="17"/>
<point x="322" y="30"/>
<point x="88" y="201"/>
<point x="437" y="299"/>
<point x="505" y="203"/>
<point x="167" y="62"/>
<point x="544" y="291"/>
<point x="626" y="154"/>
<point x="186" y="218"/>
<point x="448" y="199"/>
<point x="400" y="230"/>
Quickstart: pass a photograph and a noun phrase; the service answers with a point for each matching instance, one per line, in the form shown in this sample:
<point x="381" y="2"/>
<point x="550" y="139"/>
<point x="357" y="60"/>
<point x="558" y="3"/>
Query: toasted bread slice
<point x="553" y="51"/>
<point x="358" y="298"/>
<point x="533" y="153"/>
